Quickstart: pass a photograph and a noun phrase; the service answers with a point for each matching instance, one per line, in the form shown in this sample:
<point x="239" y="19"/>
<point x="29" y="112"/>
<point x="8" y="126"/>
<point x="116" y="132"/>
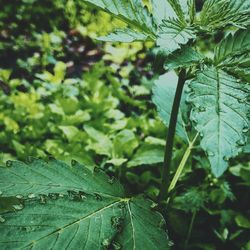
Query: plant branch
<point x="170" y="137"/>
<point x="182" y="164"/>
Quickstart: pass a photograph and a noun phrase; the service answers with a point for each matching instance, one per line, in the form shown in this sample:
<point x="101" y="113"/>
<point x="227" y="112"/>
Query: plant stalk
<point x="182" y="164"/>
<point x="170" y="137"/>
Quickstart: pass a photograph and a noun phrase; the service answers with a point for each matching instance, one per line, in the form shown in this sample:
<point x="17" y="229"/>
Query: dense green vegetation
<point x="66" y="95"/>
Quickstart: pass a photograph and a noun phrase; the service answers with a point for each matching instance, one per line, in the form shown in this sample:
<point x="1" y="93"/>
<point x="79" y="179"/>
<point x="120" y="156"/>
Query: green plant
<point x="214" y="109"/>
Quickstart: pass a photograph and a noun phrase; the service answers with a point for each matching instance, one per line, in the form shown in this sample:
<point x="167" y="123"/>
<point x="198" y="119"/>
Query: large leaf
<point x="172" y="34"/>
<point x="163" y="97"/>
<point x="132" y="12"/>
<point x="75" y="215"/>
<point x="220" y="115"/>
<point x="220" y="13"/>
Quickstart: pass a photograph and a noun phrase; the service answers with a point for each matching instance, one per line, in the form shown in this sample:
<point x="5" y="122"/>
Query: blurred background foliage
<point x="63" y="94"/>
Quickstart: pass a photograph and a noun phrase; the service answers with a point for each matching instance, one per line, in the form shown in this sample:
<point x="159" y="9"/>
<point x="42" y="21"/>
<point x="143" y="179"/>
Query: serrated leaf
<point x="163" y="96"/>
<point x="124" y="35"/>
<point x="232" y="54"/>
<point x="219" y="113"/>
<point x="84" y="218"/>
<point x="162" y="10"/>
<point x="39" y="177"/>
<point x="185" y="57"/>
<point x="172" y="34"/>
<point x="132" y="12"/>
<point x="217" y="14"/>
<point x="232" y="45"/>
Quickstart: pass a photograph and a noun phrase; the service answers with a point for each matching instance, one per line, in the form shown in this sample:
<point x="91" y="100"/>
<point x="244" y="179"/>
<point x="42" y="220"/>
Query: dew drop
<point x="106" y="242"/>
<point x="201" y="134"/>
<point x="53" y="196"/>
<point x="9" y="163"/>
<point x="201" y="109"/>
<point x="19" y="196"/>
<point x="245" y="129"/>
<point x="98" y="197"/>
<point x="31" y="195"/>
<point x="116" y="246"/>
<point x="111" y="180"/>
<point x="97" y="169"/>
<point x="73" y="162"/>
<point x="210" y="153"/>
<point x="241" y="142"/>
<point x="43" y="199"/>
<point x="18" y="207"/>
<point x="2" y="220"/>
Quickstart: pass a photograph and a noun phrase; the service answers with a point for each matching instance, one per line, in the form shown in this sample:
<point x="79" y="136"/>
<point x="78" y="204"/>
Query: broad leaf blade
<point x="139" y="222"/>
<point x="163" y="96"/>
<point x="60" y="223"/>
<point x="231" y="46"/>
<point x="185" y="57"/>
<point x="221" y="13"/>
<point x="172" y="34"/>
<point x="132" y="12"/>
<point x="85" y="219"/>
<point x="40" y="177"/>
<point x="220" y="115"/>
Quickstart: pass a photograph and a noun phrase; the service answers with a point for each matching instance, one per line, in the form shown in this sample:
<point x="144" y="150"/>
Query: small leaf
<point x="172" y="34"/>
<point x="184" y="57"/>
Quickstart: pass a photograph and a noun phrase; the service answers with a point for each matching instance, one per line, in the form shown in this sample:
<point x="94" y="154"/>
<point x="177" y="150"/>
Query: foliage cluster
<point x="67" y="96"/>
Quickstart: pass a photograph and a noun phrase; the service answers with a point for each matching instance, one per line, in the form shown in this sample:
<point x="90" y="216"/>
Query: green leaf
<point x="217" y="14"/>
<point x="39" y="177"/>
<point x="185" y="57"/>
<point x="172" y="34"/>
<point x="132" y="12"/>
<point x="124" y="35"/>
<point x="233" y="54"/>
<point x="80" y="215"/>
<point x="147" y="156"/>
<point x="231" y="46"/>
<point x="163" y="97"/>
<point x="219" y="113"/>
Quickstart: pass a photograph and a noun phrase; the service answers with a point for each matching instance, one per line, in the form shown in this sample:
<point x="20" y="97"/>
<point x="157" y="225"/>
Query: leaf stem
<point x="182" y="164"/>
<point x="170" y="137"/>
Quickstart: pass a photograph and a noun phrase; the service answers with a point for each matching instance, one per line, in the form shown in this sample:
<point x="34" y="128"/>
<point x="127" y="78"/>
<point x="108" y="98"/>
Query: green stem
<point x="182" y="164"/>
<point x="190" y="230"/>
<point x="170" y="137"/>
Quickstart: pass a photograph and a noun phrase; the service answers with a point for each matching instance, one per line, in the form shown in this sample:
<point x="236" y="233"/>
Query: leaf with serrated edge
<point x="219" y="113"/>
<point x="132" y="12"/>
<point x="88" y="218"/>
<point x="39" y="177"/>
<point x="172" y="34"/>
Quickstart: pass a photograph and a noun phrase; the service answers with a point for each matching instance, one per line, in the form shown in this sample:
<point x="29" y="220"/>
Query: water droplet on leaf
<point x="106" y="242"/>
<point x="98" y="197"/>
<point x="18" y="207"/>
<point x="19" y="196"/>
<point x="210" y="153"/>
<point x="2" y="220"/>
<point x="31" y="195"/>
<point x="9" y="163"/>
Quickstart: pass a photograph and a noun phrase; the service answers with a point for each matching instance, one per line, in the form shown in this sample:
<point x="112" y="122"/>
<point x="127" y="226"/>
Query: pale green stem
<point x="182" y="164"/>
